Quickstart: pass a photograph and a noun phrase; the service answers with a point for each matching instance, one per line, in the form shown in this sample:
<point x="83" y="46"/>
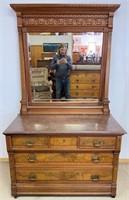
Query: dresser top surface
<point x="58" y="124"/>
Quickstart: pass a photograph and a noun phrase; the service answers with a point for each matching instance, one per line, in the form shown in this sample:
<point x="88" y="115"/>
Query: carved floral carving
<point x="61" y="20"/>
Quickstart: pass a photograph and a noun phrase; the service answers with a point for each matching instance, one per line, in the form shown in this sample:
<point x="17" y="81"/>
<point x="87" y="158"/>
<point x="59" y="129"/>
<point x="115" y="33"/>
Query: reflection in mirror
<point x="85" y="50"/>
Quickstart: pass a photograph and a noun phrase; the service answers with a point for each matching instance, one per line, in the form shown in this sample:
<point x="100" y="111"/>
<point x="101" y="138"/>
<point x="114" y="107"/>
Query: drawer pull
<point x="31" y="158"/>
<point x="95" y="159"/>
<point x="97" y="143"/>
<point x="95" y="177"/>
<point x="30" y="143"/>
<point x="32" y="177"/>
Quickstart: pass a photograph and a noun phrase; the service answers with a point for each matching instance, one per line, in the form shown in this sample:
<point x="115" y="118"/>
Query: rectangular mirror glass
<point x="85" y="51"/>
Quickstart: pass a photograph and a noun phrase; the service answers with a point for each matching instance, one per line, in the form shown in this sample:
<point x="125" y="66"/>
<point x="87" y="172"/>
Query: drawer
<point x="88" y="87"/>
<point x="63" y="142"/>
<point x="85" y="77"/>
<point x="59" y="174"/>
<point x="30" y="141"/>
<point x="84" y="94"/>
<point x="97" y="142"/>
<point x="68" y="158"/>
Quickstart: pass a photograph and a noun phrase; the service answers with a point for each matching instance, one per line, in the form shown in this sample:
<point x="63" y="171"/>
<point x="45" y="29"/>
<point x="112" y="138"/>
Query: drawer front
<point x="97" y="142"/>
<point x="88" y="87"/>
<point x="84" y="93"/>
<point x="63" y="142"/>
<point x="30" y="141"/>
<point x="63" y="175"/>
<point x="68" y="158"/>
<point x="86" y="77"/>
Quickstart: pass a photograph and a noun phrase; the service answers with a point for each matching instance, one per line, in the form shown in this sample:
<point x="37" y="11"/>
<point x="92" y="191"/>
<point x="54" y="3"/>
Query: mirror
<point x="85" y="50"/>
<point x="87" y="31"/>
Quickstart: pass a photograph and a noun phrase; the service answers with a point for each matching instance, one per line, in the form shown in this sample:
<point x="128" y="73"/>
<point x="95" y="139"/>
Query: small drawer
<point x="97" y="142"/>
<point x="59" y="174"/>
<point x="30" y="141"/>
<point x="63" y="142"/>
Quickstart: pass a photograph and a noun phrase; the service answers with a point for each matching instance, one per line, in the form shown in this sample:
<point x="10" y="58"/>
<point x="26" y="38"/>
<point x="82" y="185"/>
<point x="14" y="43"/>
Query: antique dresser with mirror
<point x="59" y="147"/>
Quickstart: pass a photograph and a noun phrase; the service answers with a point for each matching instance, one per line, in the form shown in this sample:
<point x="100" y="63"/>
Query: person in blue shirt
<point x="62" y="65"/>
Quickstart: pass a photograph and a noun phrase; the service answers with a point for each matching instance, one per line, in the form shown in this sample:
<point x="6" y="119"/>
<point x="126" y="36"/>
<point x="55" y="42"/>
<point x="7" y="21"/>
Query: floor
<point x="122" y="190"/>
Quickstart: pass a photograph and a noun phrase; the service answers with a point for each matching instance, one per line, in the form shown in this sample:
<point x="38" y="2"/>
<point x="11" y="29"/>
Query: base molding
<point x="121" y="160"/>
<point x="62" y="189"/>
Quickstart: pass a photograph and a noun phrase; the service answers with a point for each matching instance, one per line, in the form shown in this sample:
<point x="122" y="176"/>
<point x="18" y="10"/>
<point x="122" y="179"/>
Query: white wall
<point x="39" y="40"/>
<point x="10" y="85"/>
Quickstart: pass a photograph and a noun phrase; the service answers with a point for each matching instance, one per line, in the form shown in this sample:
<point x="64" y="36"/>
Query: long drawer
<point x="60" y="174"/>
<point x="64" y="158"/>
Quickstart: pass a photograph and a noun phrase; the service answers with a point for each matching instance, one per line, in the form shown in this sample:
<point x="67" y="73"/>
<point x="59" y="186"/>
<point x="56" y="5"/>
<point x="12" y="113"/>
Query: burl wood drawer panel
<point x="59" y="174"/>
<point x="63" y="142"/>
<point x="42" y="142"/>
<point x="69" y="158"/>
<point x="97" y="142"/>
<point x="30" y="141"/>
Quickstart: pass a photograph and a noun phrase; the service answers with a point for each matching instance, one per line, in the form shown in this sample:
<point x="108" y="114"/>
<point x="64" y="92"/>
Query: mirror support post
<point x="106" y="89"/>
<point x="23" y="110"/>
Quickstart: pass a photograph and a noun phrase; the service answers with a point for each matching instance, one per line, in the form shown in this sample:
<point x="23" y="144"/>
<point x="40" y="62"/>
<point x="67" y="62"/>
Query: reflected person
<point x="62" y="65"/>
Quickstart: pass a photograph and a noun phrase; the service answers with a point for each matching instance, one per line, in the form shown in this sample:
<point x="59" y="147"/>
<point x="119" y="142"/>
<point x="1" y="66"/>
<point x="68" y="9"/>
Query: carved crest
<point x="65" y="20"/>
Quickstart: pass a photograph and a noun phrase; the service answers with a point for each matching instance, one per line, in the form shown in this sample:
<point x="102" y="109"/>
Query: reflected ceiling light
<point x="45" y="33"/>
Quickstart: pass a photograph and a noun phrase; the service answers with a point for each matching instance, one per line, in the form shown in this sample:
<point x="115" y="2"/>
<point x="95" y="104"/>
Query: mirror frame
<point x="33" y="18"/>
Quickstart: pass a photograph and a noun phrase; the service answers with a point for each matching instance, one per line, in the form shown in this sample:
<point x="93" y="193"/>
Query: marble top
<point x="66" y="124"/>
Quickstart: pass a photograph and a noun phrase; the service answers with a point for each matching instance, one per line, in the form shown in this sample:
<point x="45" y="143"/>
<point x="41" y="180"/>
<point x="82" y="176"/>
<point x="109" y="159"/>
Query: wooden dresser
<point x="84" y="84"/>
<point x="68" y="147"/>
<point x="64" y="154"/>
